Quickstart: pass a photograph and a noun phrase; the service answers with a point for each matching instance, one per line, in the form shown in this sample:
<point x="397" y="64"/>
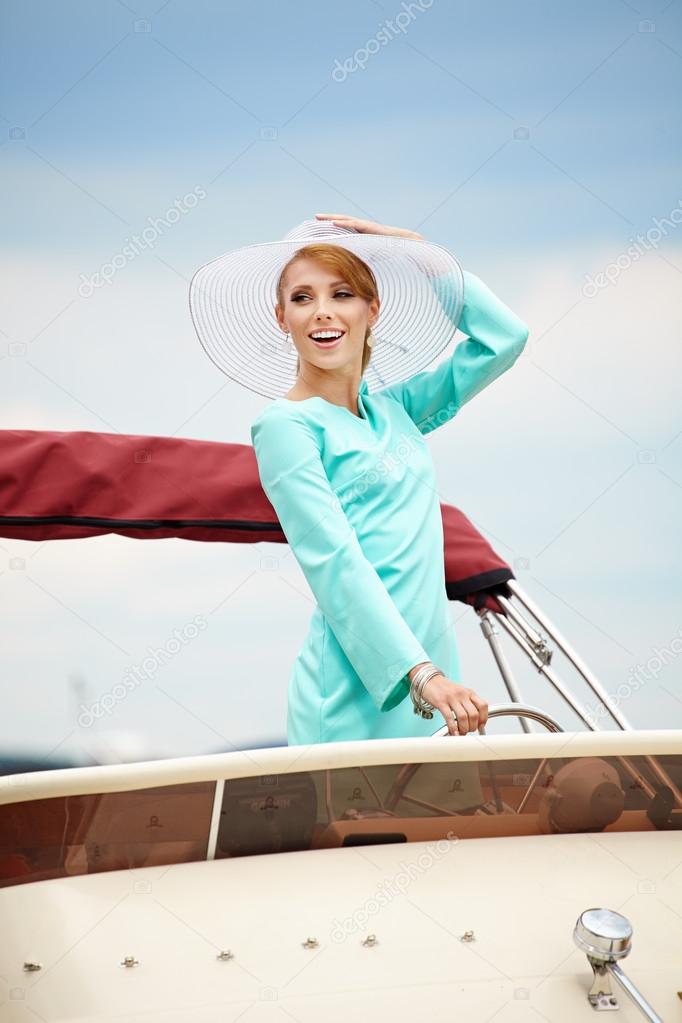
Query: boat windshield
<point x="350" y="806"/>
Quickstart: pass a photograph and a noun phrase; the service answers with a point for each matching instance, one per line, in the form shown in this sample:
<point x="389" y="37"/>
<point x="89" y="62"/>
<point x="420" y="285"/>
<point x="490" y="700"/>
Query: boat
<point x="502" y="875"/>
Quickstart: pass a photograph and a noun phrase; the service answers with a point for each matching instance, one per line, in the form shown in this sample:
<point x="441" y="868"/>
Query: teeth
<point x="321" y="335"/>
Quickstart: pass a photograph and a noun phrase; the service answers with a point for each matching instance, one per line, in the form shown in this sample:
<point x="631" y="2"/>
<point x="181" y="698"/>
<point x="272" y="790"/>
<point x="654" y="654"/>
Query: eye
<point x="303" y="294"/>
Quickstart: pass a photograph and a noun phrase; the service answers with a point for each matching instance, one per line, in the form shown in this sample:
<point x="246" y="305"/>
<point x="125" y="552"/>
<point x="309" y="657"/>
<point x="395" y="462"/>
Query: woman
<point x="352" y="481"/>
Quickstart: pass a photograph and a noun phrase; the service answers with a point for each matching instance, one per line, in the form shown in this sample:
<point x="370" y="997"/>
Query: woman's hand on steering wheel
<point x="471" y="710"/>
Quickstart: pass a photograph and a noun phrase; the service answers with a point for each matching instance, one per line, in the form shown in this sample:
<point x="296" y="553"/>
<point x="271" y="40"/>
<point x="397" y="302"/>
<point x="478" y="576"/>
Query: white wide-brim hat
<point x="232" y="303"/>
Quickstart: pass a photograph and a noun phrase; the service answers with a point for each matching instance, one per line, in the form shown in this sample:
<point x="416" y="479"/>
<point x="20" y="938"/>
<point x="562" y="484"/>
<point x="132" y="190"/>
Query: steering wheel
<point x="408" y="771"/>
<point x="524" y="710"/>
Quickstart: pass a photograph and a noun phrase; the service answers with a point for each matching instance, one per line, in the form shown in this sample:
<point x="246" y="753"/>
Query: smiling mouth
<point x="328" y="342"/>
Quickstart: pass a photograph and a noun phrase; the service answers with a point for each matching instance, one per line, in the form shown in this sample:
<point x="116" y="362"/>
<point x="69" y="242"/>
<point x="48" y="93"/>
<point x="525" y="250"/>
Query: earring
<point x="370" y="339"/>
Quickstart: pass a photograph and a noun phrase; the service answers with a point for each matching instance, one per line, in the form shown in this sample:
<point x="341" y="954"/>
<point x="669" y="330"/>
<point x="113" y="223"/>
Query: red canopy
<point x="62" y="485"/>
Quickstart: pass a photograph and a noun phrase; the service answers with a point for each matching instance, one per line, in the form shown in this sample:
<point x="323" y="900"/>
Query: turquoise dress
<point x="357" y="499"/>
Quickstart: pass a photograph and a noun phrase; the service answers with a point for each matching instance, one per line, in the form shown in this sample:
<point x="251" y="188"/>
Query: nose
<point x="321" y="312"/>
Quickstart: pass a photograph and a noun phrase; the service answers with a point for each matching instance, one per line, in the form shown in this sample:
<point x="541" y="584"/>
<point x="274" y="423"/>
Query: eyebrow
<point x="309" y="287"/>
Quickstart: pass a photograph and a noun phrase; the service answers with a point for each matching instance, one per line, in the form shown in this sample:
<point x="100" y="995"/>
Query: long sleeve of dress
<point x="496" y="339"/>
<point x="373" y="634"/>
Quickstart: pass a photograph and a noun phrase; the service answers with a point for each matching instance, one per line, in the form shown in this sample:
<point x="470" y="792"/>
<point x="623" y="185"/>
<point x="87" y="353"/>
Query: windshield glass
<point x="68" y="835"/>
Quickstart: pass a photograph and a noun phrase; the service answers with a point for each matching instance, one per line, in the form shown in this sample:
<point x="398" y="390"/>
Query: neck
<point x="339" y="390"/>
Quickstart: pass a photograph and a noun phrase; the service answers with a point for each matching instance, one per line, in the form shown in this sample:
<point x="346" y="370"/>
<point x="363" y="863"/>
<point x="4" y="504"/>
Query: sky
<point x="539" y="142"/>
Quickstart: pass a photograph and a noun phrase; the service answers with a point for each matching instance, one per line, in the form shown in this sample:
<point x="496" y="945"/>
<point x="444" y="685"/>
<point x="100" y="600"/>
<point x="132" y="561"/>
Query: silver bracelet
<point x="421" y="706"/>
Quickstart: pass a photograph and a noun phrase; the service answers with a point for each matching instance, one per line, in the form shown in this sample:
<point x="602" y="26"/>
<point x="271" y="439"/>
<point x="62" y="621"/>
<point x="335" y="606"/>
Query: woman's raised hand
<point x="367" y="226"/>
<point x="445" y="695"/>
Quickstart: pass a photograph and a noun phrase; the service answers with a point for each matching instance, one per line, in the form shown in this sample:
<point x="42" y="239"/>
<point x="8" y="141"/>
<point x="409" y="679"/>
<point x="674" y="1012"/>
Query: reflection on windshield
<point x="69" y="835"/>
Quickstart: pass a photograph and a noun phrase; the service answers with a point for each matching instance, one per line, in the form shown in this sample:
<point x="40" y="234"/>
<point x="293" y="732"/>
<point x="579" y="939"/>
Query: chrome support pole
<point x="588" y="676"/>
<point x="547" y="672"/>
<point x="636" y="996"/>
<point x="564" y="646"/>
<point x="490" y="631"/>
